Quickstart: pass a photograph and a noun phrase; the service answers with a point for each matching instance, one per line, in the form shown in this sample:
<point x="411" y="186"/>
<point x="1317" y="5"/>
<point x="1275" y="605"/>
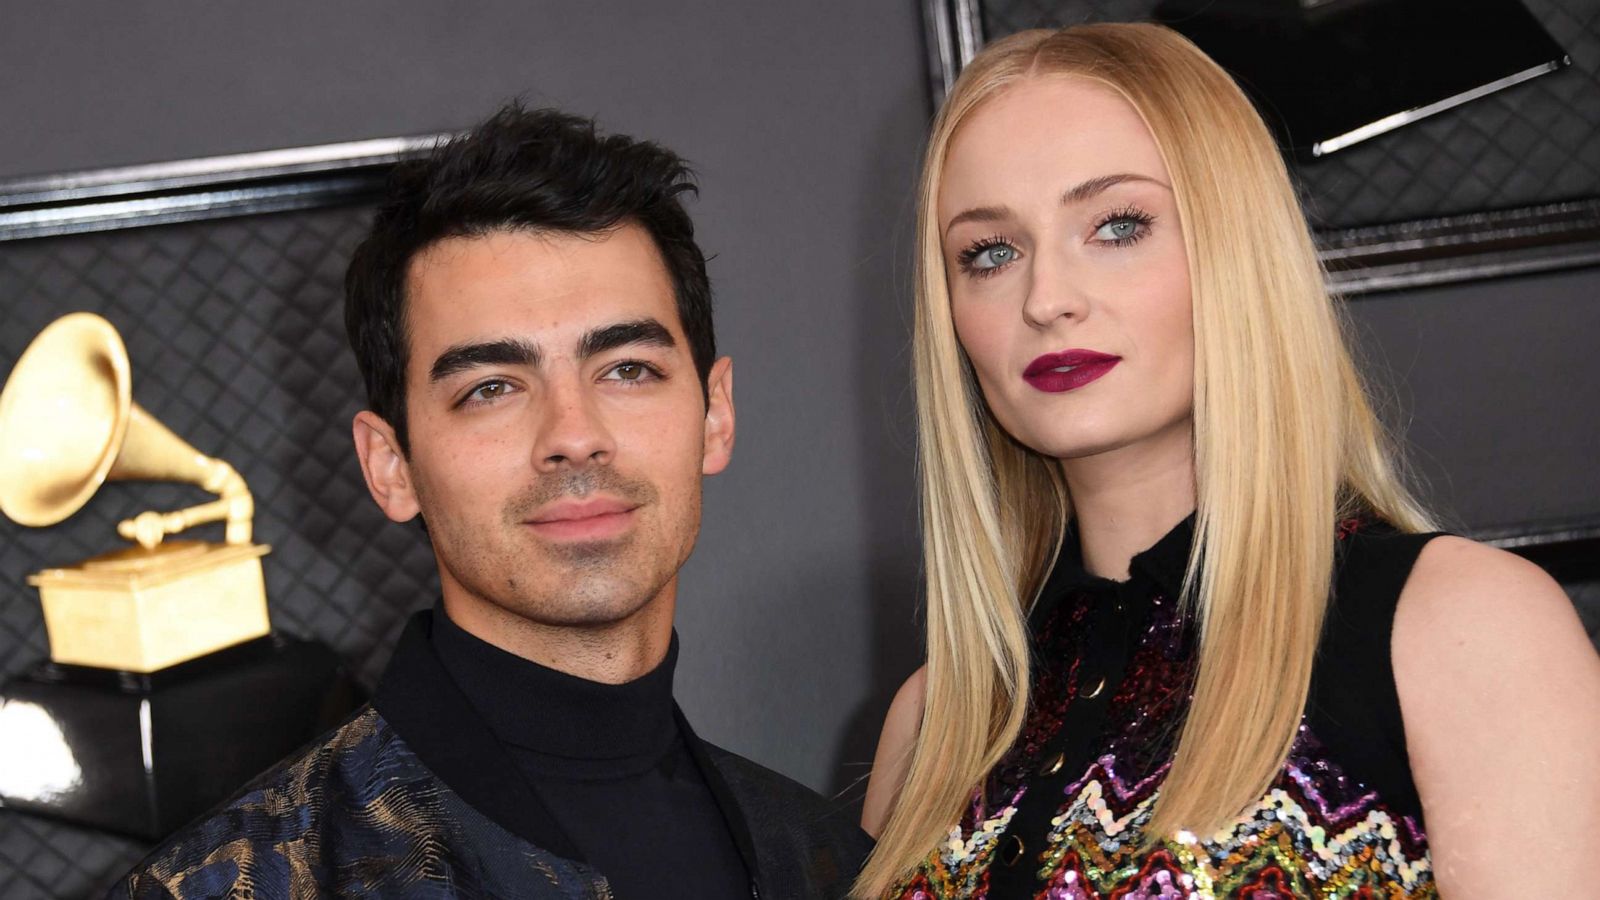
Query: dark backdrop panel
<point x="1496" y="387"/>
<point x="1537" y="142"/>
<point x="235" y="336"/>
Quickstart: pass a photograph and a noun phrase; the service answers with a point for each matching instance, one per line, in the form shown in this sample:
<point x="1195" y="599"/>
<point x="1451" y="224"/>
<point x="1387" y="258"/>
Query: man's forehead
<point x="548" y="287"/>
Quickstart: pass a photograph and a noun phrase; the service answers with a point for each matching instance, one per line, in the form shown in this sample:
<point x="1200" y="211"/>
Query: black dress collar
<point x="559" y="715"/>
<point x="1166" y="561"/>
<point x="1164" y="564"/>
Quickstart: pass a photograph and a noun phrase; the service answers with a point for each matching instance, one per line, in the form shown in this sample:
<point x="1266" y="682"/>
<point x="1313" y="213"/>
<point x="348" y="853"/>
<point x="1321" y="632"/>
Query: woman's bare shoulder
<point x="1500" y="694"/>
<point x="895" y="743"/>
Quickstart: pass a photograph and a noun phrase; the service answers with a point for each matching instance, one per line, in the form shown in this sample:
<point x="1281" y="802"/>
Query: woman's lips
<point x="1068" y="370"/>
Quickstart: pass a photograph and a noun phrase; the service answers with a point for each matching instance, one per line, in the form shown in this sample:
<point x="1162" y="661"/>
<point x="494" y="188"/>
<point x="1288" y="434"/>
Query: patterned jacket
<point x="398" y="803"/>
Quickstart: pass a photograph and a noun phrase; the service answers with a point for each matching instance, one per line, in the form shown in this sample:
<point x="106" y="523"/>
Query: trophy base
<point x="144" y="753"/>
<point x="142" y="610"/>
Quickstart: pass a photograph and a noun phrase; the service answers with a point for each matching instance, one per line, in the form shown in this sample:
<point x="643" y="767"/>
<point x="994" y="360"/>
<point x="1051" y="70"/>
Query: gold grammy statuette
<point x="68" y="424"/>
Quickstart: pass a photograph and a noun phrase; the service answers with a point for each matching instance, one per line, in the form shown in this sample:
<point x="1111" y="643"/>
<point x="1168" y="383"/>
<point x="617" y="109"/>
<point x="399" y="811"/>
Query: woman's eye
<point x="1122" y="230"/>
<point x="993" y="257"/>
<point x="985" y="257"/>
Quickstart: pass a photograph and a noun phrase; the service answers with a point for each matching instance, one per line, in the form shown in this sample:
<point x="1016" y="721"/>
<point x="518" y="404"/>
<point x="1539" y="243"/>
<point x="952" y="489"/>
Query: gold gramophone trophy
<point x="67" y="425"/>
<point x="163" y="648"/>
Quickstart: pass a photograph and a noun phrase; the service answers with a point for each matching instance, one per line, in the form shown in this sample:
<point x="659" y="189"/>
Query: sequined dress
<point x="1062" y="816"/>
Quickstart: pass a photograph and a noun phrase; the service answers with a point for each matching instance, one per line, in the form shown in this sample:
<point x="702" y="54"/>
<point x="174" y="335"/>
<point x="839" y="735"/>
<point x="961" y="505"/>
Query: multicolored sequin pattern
<point x="1315" y="832"/>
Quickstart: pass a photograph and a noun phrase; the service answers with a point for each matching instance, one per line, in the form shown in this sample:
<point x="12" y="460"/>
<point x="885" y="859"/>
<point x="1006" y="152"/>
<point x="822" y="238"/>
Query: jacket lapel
<point x="732" y="813"/>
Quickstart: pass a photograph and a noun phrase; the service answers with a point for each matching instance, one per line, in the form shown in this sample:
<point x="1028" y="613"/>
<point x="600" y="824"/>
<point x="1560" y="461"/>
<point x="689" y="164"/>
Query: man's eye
<point x="489" y="390"/>
<point x="630" y="371"/>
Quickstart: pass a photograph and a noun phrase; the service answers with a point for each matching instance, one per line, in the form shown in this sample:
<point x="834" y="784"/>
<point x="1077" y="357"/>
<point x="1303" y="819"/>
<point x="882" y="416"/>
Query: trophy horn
<point x="68" y="424"/>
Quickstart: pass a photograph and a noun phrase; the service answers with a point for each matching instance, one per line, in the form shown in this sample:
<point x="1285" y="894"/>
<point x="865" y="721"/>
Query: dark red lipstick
<point x="1068" y="370"/>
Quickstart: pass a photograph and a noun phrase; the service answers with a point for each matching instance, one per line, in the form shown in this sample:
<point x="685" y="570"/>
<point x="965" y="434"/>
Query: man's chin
<point x="587" y="610"/>
<point x="586" y="553"/>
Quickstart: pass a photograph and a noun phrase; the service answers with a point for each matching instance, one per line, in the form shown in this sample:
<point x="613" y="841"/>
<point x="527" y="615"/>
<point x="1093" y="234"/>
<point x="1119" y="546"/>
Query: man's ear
<point x="719" y="418"/>
<point x="384" y="466"/>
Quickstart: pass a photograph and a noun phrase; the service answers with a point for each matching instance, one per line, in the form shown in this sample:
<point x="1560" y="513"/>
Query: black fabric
<point x="794" y="843"/>
<point x="611" y="765"/>
<point x="422" y="703"/>
<point x="592" y="728"/>
<point x="1354" y="706"/>
<point x="805" y="846"/>
<point x="1120" y="610"/>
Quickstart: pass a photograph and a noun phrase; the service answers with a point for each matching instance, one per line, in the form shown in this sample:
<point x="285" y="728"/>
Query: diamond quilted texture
<point x="1538" y="142"/>
<point x="235" y="333"/>
<point x="42" y="860"/>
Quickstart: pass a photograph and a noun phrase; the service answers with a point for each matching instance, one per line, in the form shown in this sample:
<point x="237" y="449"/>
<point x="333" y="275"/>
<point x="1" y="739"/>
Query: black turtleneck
<point x="611" y="764"/>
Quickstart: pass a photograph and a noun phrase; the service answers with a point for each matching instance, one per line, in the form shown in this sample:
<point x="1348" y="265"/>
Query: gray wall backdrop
<point x="804" y="121"/>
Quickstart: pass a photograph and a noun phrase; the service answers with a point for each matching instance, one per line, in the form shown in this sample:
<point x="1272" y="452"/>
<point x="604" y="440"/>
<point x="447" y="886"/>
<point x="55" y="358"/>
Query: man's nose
<point x="571" y="432"/>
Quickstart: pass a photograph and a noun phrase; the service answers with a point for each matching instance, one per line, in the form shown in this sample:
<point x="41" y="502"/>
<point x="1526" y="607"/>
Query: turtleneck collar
<point x="1163" y="563"/>
<point x="554" y="714"/>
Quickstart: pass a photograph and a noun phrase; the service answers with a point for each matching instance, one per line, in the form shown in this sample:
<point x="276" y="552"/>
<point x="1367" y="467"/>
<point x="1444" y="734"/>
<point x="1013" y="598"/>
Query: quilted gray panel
<point x="40" y="859"/>
<point x="1538" y="142"/>
<point x="236" y="337"/>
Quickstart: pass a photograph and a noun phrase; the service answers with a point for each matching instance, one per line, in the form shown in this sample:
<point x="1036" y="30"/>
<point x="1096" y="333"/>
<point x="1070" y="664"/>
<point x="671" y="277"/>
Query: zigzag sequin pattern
<point x="1291" y="843"/>
<point x="1314" y="833"/>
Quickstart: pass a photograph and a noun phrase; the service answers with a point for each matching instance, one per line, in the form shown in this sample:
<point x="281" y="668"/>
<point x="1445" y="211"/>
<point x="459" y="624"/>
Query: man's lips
<point x="595" y="519"/>
<point x="1067" y="370"/>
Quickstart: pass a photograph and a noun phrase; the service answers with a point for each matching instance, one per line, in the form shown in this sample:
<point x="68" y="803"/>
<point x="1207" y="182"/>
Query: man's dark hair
<point x="539" y="170"/>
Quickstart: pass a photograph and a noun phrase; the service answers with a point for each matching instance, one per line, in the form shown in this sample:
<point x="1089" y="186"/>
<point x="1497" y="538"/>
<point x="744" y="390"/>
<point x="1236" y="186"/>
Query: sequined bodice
<point x="1062" y="816"/>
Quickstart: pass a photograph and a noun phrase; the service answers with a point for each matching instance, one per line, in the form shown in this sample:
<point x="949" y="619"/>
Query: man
<point x="532" y="317"/>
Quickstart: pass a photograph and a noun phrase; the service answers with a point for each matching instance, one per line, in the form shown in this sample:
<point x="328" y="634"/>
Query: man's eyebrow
<point x="647" y="332"/>
<point x="1094" y="186"/>
<point x="504" y="352"/>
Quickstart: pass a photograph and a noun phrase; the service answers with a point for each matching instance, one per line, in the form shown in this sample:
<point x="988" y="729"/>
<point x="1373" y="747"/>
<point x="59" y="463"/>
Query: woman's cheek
<point x="981" y="337"/>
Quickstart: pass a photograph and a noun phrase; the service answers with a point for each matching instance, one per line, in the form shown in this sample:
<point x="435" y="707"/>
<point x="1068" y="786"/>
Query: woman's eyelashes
<point x="1119" y="228"/>
<point x="1123" y="227"/>
<point x="987" y="256"/>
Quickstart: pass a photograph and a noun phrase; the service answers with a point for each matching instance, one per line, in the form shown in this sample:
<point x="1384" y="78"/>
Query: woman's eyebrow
<point x="1099" y="184"/>
<point x="1075" y="194"/>
<point x="980" y="214"/>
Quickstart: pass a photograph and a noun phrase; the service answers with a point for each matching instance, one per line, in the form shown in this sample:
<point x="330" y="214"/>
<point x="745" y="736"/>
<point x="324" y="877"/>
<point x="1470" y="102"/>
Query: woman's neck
<point x="1125" y="500"/>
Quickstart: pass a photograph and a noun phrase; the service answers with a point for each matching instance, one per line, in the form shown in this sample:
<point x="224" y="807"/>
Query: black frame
<point x="207" y="188"/>
<point x="1371" y="258"/>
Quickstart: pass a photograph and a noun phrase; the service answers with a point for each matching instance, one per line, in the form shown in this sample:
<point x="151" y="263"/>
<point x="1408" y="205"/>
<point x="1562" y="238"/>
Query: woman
<point x="1187" y="633"/>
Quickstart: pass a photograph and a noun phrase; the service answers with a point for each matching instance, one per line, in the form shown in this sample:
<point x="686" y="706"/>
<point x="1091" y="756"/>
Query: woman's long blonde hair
<point x="1285" y="444"/>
